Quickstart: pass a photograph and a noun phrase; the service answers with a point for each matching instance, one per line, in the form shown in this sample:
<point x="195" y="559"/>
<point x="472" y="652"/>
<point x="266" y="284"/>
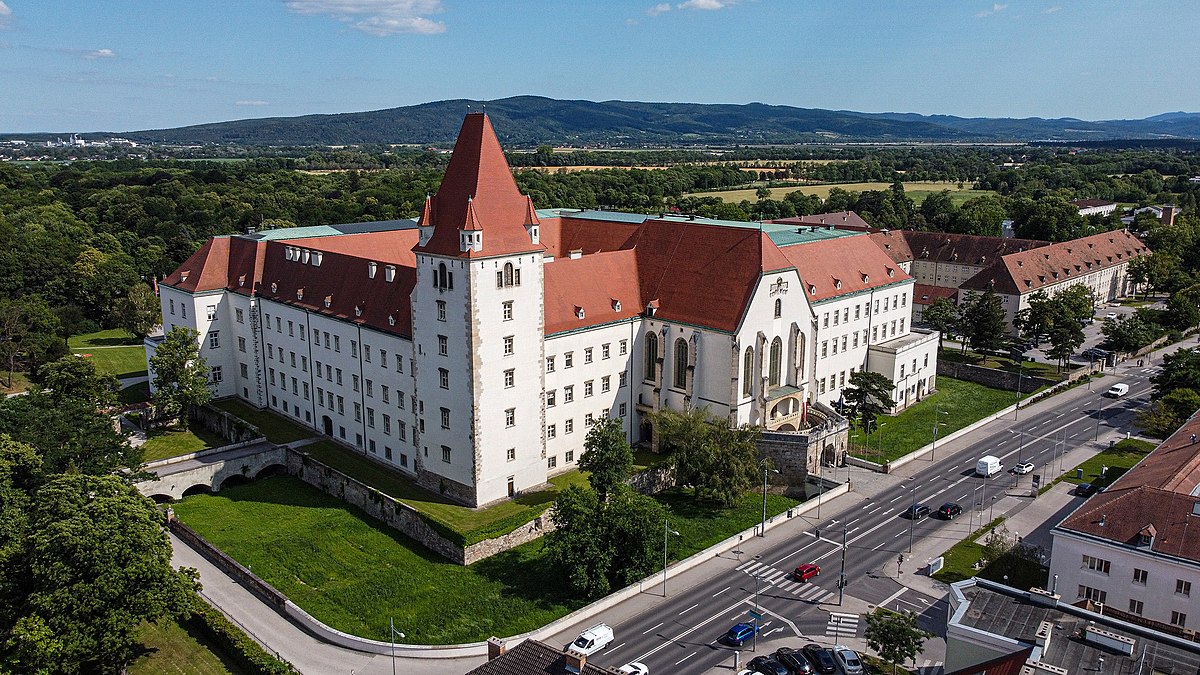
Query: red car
<point x="806" y="571"/>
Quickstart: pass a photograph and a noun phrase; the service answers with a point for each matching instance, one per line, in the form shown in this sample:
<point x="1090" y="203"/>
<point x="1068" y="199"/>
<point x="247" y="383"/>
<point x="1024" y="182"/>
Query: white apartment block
<point x="473" y="348"/>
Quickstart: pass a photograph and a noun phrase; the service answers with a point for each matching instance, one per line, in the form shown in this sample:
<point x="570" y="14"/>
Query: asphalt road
<point x="681" y="635"/>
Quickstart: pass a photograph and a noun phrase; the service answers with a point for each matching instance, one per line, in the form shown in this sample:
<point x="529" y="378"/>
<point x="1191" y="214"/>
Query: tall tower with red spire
<point x="478" y="328"/>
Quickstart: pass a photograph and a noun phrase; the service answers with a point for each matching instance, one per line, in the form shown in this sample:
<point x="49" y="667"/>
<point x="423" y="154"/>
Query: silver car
<point x="848" y="660"/>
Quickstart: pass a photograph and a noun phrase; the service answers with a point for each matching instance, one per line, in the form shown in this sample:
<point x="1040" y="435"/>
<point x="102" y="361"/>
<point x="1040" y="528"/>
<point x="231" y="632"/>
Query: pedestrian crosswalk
<point x="930" y="667"/>
<point x="782" y="580"/>
<point x="842" y="625"/>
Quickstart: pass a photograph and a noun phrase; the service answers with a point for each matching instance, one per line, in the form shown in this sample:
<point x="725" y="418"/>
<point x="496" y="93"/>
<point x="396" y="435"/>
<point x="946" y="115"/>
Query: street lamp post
<point x="1020" y="377"/>
<point x="842" y="577"/>
<point x="912" y="518"/>
<point x="762" y="530"/>
<point x="666" y="530"/>
<point x="937" y="425"/>
<point x="392" y="635"/>
<point x="1099" y="413"/>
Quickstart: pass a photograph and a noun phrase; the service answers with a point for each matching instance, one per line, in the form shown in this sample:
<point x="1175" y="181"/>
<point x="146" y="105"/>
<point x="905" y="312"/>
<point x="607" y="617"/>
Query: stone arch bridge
<point x="208" y="471"/>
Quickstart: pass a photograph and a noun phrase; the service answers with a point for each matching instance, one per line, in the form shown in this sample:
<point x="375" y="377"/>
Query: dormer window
<point x="242" y="280"/>
<point x="579" y="313"/>
<point x="306" y="255"/>
<point x="316" y="258"/>
<point x="328" y="301"/>
<point x="389" y="273"/>
<point x="371" y="269"/>
<point x="299" y="293"/>
<point x="274" y="287"/>
<point x="357" y="310"/>
<point x="891" y="272"/>
<point x="837" y="283"/>
<point x="616" y="305"/>
<point x="184" y="275"/>
<point x="812" y="290"/>
<point x="391" y="320"/>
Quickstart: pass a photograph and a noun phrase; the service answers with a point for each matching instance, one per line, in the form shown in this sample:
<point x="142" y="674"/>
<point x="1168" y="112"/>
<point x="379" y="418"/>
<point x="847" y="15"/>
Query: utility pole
<point x="1099" y="412"/>
<point x="912" y="518"/>
<point x="762" y="531"/>
<point x="842" y="576"/>
<point x="666" y="530"/>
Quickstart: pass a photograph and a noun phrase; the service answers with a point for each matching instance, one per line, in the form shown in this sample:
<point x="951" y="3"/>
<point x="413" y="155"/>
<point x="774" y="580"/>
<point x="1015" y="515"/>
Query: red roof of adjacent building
<point x="574" y="299"/>
<point x="565" y="234"/>
<point x="478" y="193"/>
<point x="1156" y="497"/>
<point x="924" y="294"/>
<point x="842" y="220"/>
<point x="944" y="247"/>
<point x="205" y="270"/>
<point x="844" y="265"/>
<point x="1031" y="270"/>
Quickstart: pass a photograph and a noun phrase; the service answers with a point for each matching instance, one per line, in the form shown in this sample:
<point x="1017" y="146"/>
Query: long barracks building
<point x="473" y="347"/>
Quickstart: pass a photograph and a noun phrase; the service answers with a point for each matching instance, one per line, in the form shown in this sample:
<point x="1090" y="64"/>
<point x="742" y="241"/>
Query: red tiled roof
<point x="478" y="193"/>
<point x="924" y="294"/>
<point x="572" y="285"/>
<point x="833" y="267"/>
<point x="563" y="235"/>
<point x="702" y="274"/>
<point x="205" y="270"/>
<point x="842" y="220"/>
<point x="942" y="247"/>
<point x="1155" y="496"/>
<point x="1032" y="270"/>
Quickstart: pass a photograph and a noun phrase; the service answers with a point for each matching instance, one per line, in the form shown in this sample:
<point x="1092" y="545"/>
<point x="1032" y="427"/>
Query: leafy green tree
<point x="1049" y="219"/>
<point x="944" y="316"/>
<point x="1180" y="370"/>
<point x="868" y="395"/>
<point x="70" y="434"/>
<point x="983" y="215"/>
<point x="1164" y="416"/>
<point x="983" y="322"/>
<point x="606" y="456"/>
<point x="1079" y="301"/>
<point x="895" y="636"/>
<point x="137" y="311"/>
<point x="1183" y="307"/>
<point x="76" y="379"/>
<point x="720" y="462"/>
<point x="1066" y="334"/>
<point x="180" y="374"/>
<point x="92" y="565"/>
<point x="1036" y="319"/>
<point x="634" y="525"/>
<point x="1127" y="333"/>
<point x="578" y="545"/>
<point x="29" y="334"/>
<point x="939" y="212"/>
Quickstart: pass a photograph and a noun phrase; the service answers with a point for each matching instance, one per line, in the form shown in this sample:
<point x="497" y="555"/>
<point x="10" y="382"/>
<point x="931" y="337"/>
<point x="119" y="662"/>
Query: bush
<point x="244" y="651"/>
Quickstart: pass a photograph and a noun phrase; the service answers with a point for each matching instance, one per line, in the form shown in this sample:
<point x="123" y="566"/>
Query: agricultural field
<point x="917" y="191"/>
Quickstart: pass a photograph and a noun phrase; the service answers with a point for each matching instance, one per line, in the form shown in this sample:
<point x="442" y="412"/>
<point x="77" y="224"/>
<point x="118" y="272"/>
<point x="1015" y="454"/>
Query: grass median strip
<point x="354" y="574"/>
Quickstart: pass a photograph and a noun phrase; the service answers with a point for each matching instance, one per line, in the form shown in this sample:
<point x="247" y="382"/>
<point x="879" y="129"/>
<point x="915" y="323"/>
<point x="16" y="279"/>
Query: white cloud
<point x="996" y="8"/>
<point x="5" y="14"/>
<point x="704" y="4"/>
<point x="377" y="17"/>
<point x="251" y="102"/>
<point x="660" y="8"/>
<point x="1051" y="10"/>
<point x="99" y="54"/>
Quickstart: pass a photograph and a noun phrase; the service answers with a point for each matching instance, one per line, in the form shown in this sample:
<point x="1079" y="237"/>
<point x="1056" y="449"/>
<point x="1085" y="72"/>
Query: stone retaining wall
<point x="227" y="426"/>
<point x="991" y="377"/>
<point x="230" y="566"/>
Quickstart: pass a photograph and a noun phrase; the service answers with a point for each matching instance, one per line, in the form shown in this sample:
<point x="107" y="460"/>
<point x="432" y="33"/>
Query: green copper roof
<point x="782" y="234"/>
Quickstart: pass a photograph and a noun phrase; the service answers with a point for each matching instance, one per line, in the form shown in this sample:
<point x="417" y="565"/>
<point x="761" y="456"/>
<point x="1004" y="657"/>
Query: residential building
<point x="1131" y="548"/>
<point x="1094" y="207"/>
<point x="473" y="348"/>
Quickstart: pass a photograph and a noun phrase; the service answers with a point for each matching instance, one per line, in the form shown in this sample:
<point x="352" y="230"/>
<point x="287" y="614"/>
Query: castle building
<point x="472" y="348"/>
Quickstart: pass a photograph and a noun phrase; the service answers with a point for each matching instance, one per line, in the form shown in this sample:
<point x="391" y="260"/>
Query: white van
<point x="1117" y="390"/>
<point x="593" y="639"/>
<point x="988" y="466"/>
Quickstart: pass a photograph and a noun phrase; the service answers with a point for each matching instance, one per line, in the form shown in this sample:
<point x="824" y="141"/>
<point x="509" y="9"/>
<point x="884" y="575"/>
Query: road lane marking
<point x="802" y="548"/>
<point x="685" y="658"/>
<point x="689" y="609"/>
<point x="653" y="627"/>
<point x="892" y="597"/>
<point x="617" y="647"/>
<point x="721" y="591"/>
<point x="689" y="631"/>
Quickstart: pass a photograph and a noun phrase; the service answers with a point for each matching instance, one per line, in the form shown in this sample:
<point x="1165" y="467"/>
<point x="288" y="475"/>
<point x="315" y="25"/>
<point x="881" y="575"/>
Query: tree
<point x="1183" y="307"/>
<point x="137" y="311"/>
<point x="29" y="334"/>
<point x="634" y="525"/>
<point x="939" y="212"/>
<point x="944" y="316"/>
<point x="895" y="636"/>
<point x="720" y="462"/>
<point x="1127" y="333"/>
<point x="1036" y="319"/>
<point x="72" y="378"/>
<point x="983" y="215"/>
<point x="1079" y="302"/>
<point x="1048" y="218"/>
<point x="180" y="374"/>
<point x="983" y="322"/>
<point x="868" y="396"/>
<point x="1180" y="370"/>
<point x="1164" y="416"/>
<point x="1066" y="335"/>
<point x="92" y="565"/>
<point x="70" y="434"/>
<point x="606" y="456"/>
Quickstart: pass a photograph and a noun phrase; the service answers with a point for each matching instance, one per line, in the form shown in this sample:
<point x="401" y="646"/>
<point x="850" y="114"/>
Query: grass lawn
<point x="644" y="459"/>
<point x="161" y="444"/>
<point x="963" y="403"/>
<point x="1119" y="459"/>
<point x="1037" y="368"/>
<point x="173" y="649"/>
<point x="354" y="573"/>
<point x="474" y="525"/>
<point x="134" y="393"/>
<point x="276" y="428"/>
<point x="916" y="190"/>
<point x="1022" y="574"/>
<point x="113" y="351"/>
<point x="20" y="382"/>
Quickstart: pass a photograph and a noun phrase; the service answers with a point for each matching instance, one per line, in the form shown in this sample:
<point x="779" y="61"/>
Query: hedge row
<point x="244" y="651"/>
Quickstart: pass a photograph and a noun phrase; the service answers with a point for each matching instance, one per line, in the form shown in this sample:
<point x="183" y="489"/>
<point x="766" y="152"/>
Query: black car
<point x="820" y="658"/>
<point x="916" y="511"/>
<point x="949" y="511"/>
<point x="767" y="666"/>
<point x="1085" y="490"/>
<point x="794" y="661"/>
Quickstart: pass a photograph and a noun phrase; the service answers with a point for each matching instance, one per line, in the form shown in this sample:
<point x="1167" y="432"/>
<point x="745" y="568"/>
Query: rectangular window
<point x="387" y="424"/>
<point x="587" y="355"/>
<point x="508" y="378"/>
<point x="551" y="462"/>
<point x="183" y="310"/>
<point x="510" y="417"/>
<point x="370" y="388"/>
<point x="587" y="388"/>
<point x="587" y="419"/>
<point x="825" y="320"/>
<point x="604" y="351"/>
<point x="623" y="379"/>
<point x="568" y="393"/>
<point x="278" y="325"/>
<point x="357" y="412"/>
<point x="904" y="301"/>
<point x="383" y="392"/>
<point x="443" y="378"/>
<point x="445" y="418"/>
<point x="837" y="318"/>
<point x="1135" y="606"/>
<point x="239" y="315"/>
<point x="846" y="314"/>
<point x="1178" y="619"/>
<point x="245" y="370"/>
<point x="605" y="383"/>
<point x="623" y="410"/>
<point x="569" y="457"/>
<point x="304" y="363"/>
<point x="214" y="339"/>
<point x="354" y="348"/>
<point x="337" y="343"/>
<point x="304" y="388"/>
<point x="568" y="426"/>
<point x="172" y="306"/>
<point x="551" y="398"/>
<point x="320" y="397"/>
<point x="551" y="431"/>
<point x="506" y="310"/>
<point x="876" y="306"/>
<point x="292" y="356"/>
<point x="508" y="345"/>
<point x="1093" y="594"/>
<point x="875" y="334"/>
<point x="242" y="345"/>
<point x="842" y="379"/>
<point x="211" y="312"/>
<point x="1139" y="576"/>
<point x="341" y="405"/>
<point x="366" y="352"/>
<point x="568" y="359"/>
<point x="843" y="343"/>
<point x="445" y="454"/>
<point x="316" y="337"/>
<point x="295" y="386"/>
<point x="1182" y="587"/>
<point x="354" y="382"/>
<point x="326" y="339"/>
<point x="623" y="348"/>
<point x="400" y="400"/>
<point x="857" y="312"/>
<point x="824" y="348"/>
<point x="402" y="430"/>
<point x="854" y="343"/>
<point x="901" y="325"/>
<point x="1095" y="564"/>
<point x="291" y="329"/>
<point x="371" y="417"/>
<point x="441" y="310"/>
<point x="215" y="374"/>
<point x="511" y="454"/>
<point x="382" y="358"/>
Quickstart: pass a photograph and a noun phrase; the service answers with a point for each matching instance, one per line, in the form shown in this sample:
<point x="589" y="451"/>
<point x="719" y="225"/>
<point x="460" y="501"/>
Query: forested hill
<point x="534" y="120"/>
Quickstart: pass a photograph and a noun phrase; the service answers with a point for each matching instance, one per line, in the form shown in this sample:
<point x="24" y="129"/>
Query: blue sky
<point x="113" y="65"/>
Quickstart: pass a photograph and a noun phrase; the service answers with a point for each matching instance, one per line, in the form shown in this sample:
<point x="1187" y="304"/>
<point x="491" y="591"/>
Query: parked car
<point x="949" y="511"/>
<point x="767" y="666"/>
<point x="1085" y="489"/>
<point x="806" y="571"/>
<point x="848" y="660"/>
<point x="1110" y="316"/>
<point x="1022" y="468"/>
<point x="820" y="658"/>
<point x="593" y="639"/>
<point x="739" y="633"/>
<point x="634" y="668"/>
<point x="794" y="661"/>
<point x="916" y="511"/>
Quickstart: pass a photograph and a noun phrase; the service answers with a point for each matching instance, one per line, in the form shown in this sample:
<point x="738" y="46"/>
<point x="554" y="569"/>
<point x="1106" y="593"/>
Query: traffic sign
<point x="755" y="615"/>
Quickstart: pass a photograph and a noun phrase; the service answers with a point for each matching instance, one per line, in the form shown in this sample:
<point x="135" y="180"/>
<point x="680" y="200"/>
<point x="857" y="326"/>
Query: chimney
<point x="496" y="647"/>
<point x="575" y="661"/>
